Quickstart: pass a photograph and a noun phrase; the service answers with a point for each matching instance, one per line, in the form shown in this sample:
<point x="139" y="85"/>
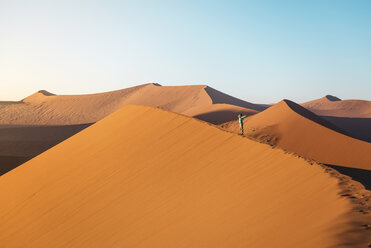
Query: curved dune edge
<point x="176" y="182"/>
<point x="43" y="119"/>
<point x="218" y="113"/>
<point x="335" y="107"/>
<point x="353" y="116"/>
<point x="282" y="126"/>
<point x="44" y="108"/>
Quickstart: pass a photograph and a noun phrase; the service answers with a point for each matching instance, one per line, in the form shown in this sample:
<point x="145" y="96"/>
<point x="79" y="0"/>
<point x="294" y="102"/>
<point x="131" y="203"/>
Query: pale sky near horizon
<point x="260" y="51"/>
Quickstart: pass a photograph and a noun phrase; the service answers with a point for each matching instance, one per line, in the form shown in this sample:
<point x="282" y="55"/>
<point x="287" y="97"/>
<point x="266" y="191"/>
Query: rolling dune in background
<point x="353" y="116"/>
<point x="44" y="108"/>
<point x="333" y="106"/>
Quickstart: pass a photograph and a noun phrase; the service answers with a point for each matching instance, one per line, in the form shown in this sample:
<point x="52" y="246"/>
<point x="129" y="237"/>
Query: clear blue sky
<point x="260" y="51"/>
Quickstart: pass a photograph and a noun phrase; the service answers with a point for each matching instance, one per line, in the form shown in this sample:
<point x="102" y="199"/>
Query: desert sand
<point x="333" y="106"/>
<point x="42" y="120"/>
<point x="44" y="108"/>
<point x="173" y="181"/>
<point x="353" y="116"/>
<point x="292" y="127"/>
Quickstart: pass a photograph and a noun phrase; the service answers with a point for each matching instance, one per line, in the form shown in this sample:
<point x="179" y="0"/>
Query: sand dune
<point x="359" y="128"/>
<point x="178" y="182"/>
<point x="44" y="108"/>
<point x="333" y="106"/>
<point x="353" y="116"/>
<point x="290" y="126"/>
<point x="47" y="119"/>
<point x="218" y="113"/>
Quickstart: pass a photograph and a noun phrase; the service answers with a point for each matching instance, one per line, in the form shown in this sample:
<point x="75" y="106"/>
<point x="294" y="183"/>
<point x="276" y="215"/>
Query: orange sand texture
<point x="153" y="176"/>
<point x="306" y="134"/>
<point x="176" y="183"/>
<point x="44" y="108"/>
<point x="42" y="120"/>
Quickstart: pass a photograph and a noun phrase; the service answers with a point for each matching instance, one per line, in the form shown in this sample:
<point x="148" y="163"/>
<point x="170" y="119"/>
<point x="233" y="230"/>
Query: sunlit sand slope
<point x="43" y="119"/>
<point x="145" y="177"/>
<point x="44" y="108"/>
<point x="290" y="126"/>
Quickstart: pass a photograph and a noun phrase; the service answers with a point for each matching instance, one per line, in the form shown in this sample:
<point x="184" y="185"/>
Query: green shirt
<point x="240" y="119"/>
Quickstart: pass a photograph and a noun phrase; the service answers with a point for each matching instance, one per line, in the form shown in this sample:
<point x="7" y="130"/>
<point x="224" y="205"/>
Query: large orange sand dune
<point x="290" y="126"/>
<point x="42" y="120"/>
<point x="44" y="108"/>
<point x="172" y="181"/>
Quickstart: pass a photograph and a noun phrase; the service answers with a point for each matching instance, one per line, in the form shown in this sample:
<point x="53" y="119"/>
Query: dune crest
<point x="333" y="106"/>
<point x="292" y="127"/>
<point x="178" y="183"/>
<point x="52" y="116"/>
<point x="218" y="113"/>
<point x="353" y="116"/>
<point x="332" y="98"/>
<point x="44" y="108"/>
<point x="37" y="97"/>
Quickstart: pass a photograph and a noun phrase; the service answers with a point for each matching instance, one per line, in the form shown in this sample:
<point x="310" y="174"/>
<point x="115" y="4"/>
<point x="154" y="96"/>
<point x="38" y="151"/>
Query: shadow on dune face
<point x="359" y="128"/>
<point x="332" y="98"/>
<point x="18" y="144"/>
<point x="313" y="117"/>
<point x="360" y="175"/>
<point x="219" y="97"/>
<point x="8" y="163"/>
<point x="222" y="116"/>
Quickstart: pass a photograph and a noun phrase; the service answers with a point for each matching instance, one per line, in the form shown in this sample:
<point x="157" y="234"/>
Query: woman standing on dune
<point x="240" y="120"/>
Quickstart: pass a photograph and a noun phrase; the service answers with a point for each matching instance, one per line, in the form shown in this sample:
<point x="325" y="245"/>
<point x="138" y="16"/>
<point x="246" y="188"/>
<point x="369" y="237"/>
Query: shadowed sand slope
<point x="359" y="128"/>
<point x="178" y="183"/>
<point x="353" y="116"/>
<point x="220" y="97"/>
<point x="20" y="143"/>
<point x="290" y="126"/>
<point x="44" y="108"/>
<point x="32" y="140"/>
<point x="218" y="113"/>
<point x="333" y="106"/>
<point x="8" y="163"/>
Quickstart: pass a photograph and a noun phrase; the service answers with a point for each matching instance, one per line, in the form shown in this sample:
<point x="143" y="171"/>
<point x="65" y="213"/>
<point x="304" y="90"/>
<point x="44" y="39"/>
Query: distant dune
<point x="333" y="106"/>
<point x="292" y="127"/>
<point x="353" y="116"/>
<point x="176" y="182"/>
<point x="44" y="108"/>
